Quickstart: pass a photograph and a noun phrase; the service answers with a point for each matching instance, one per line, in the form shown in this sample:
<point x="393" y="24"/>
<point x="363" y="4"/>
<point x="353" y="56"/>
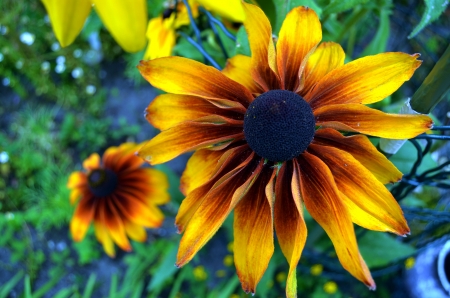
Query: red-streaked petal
<point x="92" y="162"/>
<point x="188" y="77"/>
<point x="253" y="232"/>
<point x="368" y="201"/>
<point x="102" y="234"/>
<point x="199" y="169"/>
<point x="239" y="69"/>
<point x="190" y="136"/>
<point x="365" y="80"/>
<point x="289" y="222"/>
<point x="214" y="209"/>
<point x="327" y="57"/>
<point x="129" y="204"/>
<point x="127" y="160"/>
<point x="362" y="150"/>
<point x="321" y="198"/>
<point x="82" y="217"/>
<point x="114" y="224"/>
<point x="231" y="162"/>
<point x="168" y="110"/>
<point x="259" y="31"/>
<point x="76" y="180"/>
<point x="359" y="118"/>
<point x="134" y="231"/>
<point x="300" y="33"/>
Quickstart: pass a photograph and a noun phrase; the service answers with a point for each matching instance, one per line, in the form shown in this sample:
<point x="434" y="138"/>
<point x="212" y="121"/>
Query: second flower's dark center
<point x="279" y="125"/>
<point x="102" y="182"/>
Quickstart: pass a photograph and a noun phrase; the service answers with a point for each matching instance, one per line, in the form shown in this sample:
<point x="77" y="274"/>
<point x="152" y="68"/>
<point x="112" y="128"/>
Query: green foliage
<point x="433" y="9"/>
<point x="380" y="249"/>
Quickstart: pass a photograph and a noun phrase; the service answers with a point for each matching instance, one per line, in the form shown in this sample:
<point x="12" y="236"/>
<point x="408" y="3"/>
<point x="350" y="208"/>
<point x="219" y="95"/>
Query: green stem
<point x="434" y="87"/>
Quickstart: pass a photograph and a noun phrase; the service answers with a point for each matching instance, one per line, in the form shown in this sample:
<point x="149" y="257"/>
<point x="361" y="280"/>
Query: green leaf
<point x="433" y="9"/>
<point x="380" y="249"/>
<point x="379" y="42"/>
<point x="282" y="7"/>
<point x="6" y="288"/>
<point x="242" y="44"/>
<point x="89" y="289"/>
<point x="337" y="6"/>
<point x="407" y="155"/>
<point x="166" y="268"/>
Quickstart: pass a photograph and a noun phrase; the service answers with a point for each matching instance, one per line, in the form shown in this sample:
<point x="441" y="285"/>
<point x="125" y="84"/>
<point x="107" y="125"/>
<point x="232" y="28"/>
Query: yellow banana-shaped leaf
<point x="67" y="18"/>
<point x="125" y="20"/>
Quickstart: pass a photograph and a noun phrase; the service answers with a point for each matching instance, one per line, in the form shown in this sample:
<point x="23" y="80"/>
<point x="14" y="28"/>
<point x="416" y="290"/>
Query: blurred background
<point x="60" y="104"/>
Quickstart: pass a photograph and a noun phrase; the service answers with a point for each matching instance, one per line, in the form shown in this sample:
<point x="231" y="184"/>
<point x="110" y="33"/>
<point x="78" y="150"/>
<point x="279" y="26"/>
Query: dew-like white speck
<point x="1" y="57"/>
<point x="6" y="81"/>
<point x="55" y="46"/>
<point x="19" y="64"/>
<point x="77" y="53"/>
<point x="77" y="73"/>
<point x="27" y="38"/>
<point x="4" y="157"/>
<point x="45" y="66"/>
<point x="60" y="68"/>
<point x="90" y="89"/>
<point x="60" y="60"/>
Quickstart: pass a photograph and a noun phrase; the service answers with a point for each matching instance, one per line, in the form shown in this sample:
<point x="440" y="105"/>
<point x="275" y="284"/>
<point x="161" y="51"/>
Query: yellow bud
<point x="330" y="287"/>
<point x="409" y="262"/>
<point x="316" y="269"/>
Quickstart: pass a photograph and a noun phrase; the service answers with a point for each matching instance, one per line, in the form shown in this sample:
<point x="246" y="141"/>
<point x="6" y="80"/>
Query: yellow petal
<point x="300" y="33"/>
<point x="365" y="80"/>
<point x="161" y="39"/>
<point x="253" y="233"/>
<point x="289" y="222"/>
<point x="134" y="231"/>
<point x="125" y="20"/>
<point x="190" y="136"/>
<point x="102" y="235"/>
<point x="114" y="224"/>
<point x="199" y="169"/>
<point x="326" y="57"/>
<point x="227" y="166"/>
<point x="214" y="209"/>
<point x="67" y="18"/>
<point x="259" y="31"/>
<point x="159" y="185"/>
<point x="92" y="162"/>
<point x="368" y="201"/>
<point x="359" y="118"/>
<point x="363" y="151"/>
<point x="188" y="77"/>
<point x="76" y="179"/>
<point x="168" y="110"/>
<point x="82" y="217"/>
<point x="322" y="200"/>
<point x="239" y="69"/>
<point x="75" y="195"/>
<point x="230" y="9"/>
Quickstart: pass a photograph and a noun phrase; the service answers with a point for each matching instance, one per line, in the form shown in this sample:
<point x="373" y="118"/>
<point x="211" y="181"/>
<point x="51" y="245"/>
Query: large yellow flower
<point x="120" y="197"/>
<point x="125" y="20"/>
<point x="267" y="141"/>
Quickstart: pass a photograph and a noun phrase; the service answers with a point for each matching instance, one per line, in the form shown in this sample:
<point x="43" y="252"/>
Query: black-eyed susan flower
<point x="119" y="196"/>
<point x="267" y="136"/>
<point x="125" y="20"/>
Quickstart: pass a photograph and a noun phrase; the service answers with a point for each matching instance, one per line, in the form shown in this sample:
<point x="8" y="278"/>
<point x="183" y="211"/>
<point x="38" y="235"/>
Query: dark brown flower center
<point x="102" y="182"/>
<point x="279" y="125"/>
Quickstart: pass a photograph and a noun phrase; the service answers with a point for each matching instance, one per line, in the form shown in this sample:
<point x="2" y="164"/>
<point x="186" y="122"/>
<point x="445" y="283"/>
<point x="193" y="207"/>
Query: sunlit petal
<point x="239" y="69"/>
<point x="231" y="9"/>
<point x="253" y="233"/>
<point x="321" y="198"/>
<point x="289" y="222"/>
<point x="362" y="150"/>
<point x="187" y="77"/>
<point x="259" y="31"/>
<point x="327" y="57"/>
<point x="368" y="201"/>
<point x="359" y="118"/>
<point x="161" y="39"/>
<point x="300" y="33"/>
<point x="365" y="80"/>
<point x="92" y="162"/>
